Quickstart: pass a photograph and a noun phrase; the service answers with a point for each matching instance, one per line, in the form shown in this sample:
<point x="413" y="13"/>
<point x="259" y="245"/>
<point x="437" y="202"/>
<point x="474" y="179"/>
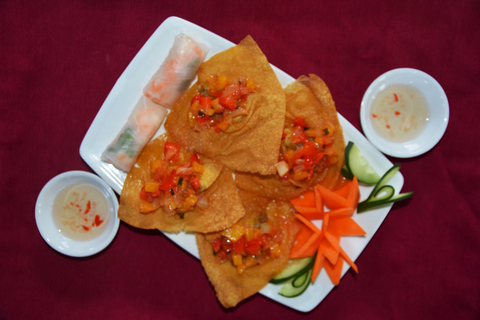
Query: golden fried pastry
<point x="172" y="189"/>
<point x="242" y="259"/>
<point x="312" y="148"/>
<point x="235" y="112"/>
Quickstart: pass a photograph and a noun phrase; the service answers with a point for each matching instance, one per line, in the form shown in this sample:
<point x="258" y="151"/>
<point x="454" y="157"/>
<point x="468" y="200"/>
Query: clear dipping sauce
<point x="81" y="212"/>
<point x="399" y="113"/>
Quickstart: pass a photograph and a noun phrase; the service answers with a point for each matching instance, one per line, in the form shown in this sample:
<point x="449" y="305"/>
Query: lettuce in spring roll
<point x="141" y="125"/>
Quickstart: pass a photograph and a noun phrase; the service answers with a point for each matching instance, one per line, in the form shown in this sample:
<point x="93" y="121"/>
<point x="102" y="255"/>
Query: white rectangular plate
<point x="128" y="89"/>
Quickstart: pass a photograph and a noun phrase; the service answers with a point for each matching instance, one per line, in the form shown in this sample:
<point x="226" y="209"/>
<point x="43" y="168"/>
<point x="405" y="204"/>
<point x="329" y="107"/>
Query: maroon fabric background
<point x="60" y="59"/>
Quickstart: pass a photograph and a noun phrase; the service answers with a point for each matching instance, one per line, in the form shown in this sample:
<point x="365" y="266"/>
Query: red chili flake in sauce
<point x="397" y="112"/>
<point x="97" y="220"/>
<point x="396" y="97"/>
<point x="388" y="126"/>
<point x="374" y="115"/>
<point x="85" y="228"/>
<point x="87" y="210"/>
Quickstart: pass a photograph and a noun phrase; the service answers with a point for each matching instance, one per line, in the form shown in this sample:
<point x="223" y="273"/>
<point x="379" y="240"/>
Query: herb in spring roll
<point x="141" y="125"/>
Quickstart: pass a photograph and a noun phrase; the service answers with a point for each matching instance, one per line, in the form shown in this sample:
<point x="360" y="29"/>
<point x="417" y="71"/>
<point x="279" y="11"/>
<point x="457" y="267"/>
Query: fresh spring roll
<point x="141" y="125"/>
<point x="177" y="72"/>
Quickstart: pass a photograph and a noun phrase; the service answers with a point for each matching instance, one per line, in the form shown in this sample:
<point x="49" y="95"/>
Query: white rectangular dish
<point x="128" y="89"/>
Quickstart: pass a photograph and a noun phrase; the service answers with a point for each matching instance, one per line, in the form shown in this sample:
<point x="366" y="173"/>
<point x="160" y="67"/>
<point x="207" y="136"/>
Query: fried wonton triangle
<point x="252" y="141"/>
<point x="310" y="99"/>
<point x="216" y="185"/>
<point x="275" y="218"/>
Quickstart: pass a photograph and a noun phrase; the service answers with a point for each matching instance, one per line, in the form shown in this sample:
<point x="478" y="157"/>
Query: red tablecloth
<point x="60" y="59"/>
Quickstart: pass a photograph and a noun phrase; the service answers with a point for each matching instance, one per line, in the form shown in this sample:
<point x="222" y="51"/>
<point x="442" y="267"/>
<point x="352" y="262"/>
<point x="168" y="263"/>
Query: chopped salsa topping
<point x="247" y="245"/>
<point x="305" y="151"/>
<point x="221" y="100"/>
<point x="174" y="183"/>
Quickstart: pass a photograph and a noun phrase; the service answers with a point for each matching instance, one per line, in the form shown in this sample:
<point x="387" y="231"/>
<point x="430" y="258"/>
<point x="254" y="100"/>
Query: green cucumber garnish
<point x="382" y="193"/>
<point x="295" y="268"/>
<point x="357" y="165"/>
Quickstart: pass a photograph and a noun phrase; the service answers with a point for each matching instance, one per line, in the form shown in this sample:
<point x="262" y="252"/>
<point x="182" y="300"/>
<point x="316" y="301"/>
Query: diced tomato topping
<point x="206" y="101"/>
<point x="222" y="255"/>
<point x="219" y="95"/>
<point x="172" y="151"/>
<point x="217" y="244"/>
<point x="195" y="183"/>
<point x="203" y="118"/>
<point x="143" y="194"/>
<point x="245" y="253"/>
<point x="194" y="158"/>
<point x="299" y="122"/>
<point x="228" y="102"/>
<point x="306" y="145"/>
<point x="253" y="246"/>
<point x="239" y="245"/>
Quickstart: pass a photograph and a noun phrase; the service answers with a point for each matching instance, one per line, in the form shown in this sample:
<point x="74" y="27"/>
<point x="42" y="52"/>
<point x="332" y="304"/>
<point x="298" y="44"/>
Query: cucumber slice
<point x="382" y="193"/>
<point x="365" y="205"/>
<point x="295" y="268"/>
<point x="300" y="280"/>
<point x="290" y="291"/>
<point x="359" y="166"/>
<point x="385" y="178"/>
<point x="346" y="173"/>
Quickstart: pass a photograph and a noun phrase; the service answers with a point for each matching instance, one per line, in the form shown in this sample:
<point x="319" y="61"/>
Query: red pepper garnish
<point x="97" y="220"/>
<point x="88" y="207"/>
<point x="397" y="112"/>
<point x="396" y="97"/>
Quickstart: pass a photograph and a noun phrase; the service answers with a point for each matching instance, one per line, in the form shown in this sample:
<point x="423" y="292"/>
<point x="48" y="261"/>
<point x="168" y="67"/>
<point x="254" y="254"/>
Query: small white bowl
<point x="46" y="223"/>
<point x="438" y="112"/>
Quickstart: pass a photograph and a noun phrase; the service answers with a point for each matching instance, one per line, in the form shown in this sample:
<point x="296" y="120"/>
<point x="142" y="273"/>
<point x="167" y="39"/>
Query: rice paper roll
<point x="144" y="121"/>
<point x="177" y="72"/>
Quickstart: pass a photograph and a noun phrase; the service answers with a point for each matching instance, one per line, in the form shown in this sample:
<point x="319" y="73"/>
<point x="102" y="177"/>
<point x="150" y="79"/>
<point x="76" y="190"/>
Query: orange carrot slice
<point x="326" y="220"/>
<point x="345" y="226"/>
<point x="326" y="248"/>
<point x="347" y="259"/>
<point x="317" y="266"/>
<point x="309" y="251"/>
<point x="343" y="191"/>
<point x="353" y="194"/>
<point x="310" y="213"/>
<point x="318" y="200"/>
<point x="310" y="247"/>
<point x="334" y="271"/>
<point x="331" y="199"/>
<point x="342" y="212"/>
<point x="307" y="199"/>
<point x="334" y="241"/>
<point x="307" y="222"/>
<point x="302" y="236"/>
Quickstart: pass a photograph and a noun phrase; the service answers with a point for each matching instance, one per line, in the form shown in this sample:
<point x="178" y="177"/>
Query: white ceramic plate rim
<point x="128" y="89"/>
<point x="436" y="99"/>
<point x="46" y="224"/>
